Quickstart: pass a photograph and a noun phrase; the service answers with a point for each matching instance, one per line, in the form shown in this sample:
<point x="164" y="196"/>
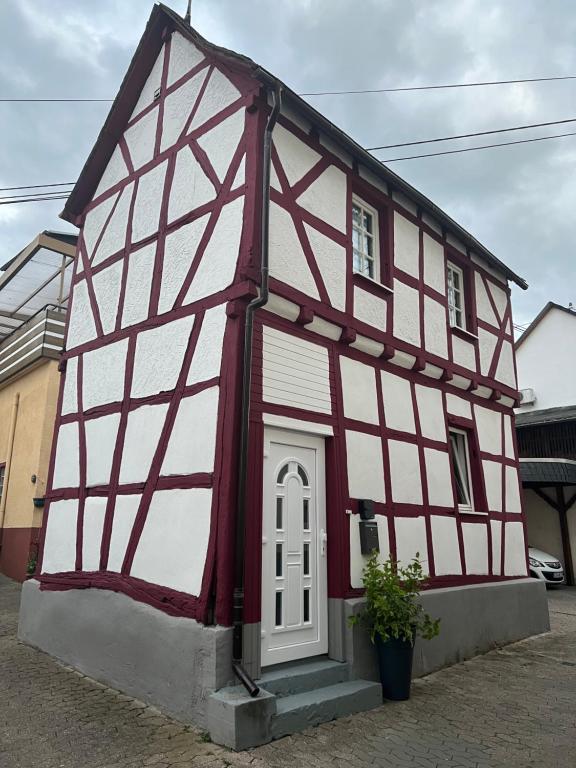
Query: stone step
<point x="302" y="710"/>
<point x="302" y="676"/>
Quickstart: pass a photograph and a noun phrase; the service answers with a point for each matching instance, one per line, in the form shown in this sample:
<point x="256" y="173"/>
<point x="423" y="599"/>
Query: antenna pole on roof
<point x="188" y="16"/>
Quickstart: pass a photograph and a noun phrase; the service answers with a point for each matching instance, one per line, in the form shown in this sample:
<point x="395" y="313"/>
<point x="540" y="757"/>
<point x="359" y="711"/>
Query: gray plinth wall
<point x="172" y="663"/>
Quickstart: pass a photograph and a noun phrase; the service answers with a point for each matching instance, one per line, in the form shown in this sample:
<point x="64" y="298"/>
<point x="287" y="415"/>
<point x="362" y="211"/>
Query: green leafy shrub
<point x="393" y="609"/>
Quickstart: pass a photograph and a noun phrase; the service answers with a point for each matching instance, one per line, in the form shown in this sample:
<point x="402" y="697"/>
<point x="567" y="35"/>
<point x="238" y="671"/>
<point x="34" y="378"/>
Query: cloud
<point x="518" y="201"/>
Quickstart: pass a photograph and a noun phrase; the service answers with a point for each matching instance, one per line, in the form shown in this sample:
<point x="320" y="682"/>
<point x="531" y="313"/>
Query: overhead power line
<point x="33" y="200"/>
<point x="439" y="87"/>
<point x="39" y="186"/>
<point x="471" y="135"/>
<point x="400" y="89"/>
<point x="475" y="149"/>
<point x="36" y="194"/>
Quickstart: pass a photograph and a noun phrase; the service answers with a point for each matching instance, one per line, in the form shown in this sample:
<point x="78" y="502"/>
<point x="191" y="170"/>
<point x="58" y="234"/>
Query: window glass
<point x="455" y="281"/>
<point x="461" y="468"/>
<point x="364" y="239"/>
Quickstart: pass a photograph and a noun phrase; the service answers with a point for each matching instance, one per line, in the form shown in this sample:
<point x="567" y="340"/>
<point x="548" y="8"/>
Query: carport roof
<point x="546" y="472"/>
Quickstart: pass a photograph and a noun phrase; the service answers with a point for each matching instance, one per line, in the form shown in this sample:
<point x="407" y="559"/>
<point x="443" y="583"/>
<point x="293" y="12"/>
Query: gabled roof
<point x="163" y="18"/>
<point x="546" y="416"/>
<point x="540" y="316"/>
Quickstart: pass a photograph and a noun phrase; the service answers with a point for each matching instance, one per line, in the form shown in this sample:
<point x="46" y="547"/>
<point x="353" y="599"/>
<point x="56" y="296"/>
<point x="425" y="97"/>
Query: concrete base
<point x="474" y="619"/>
<point x="172" y="663"/>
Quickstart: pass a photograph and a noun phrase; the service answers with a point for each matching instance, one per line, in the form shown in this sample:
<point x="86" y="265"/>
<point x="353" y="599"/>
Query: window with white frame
<point x="460" y="452"/>
<point x="456" y="308"/>
<point x="365" y="239"/>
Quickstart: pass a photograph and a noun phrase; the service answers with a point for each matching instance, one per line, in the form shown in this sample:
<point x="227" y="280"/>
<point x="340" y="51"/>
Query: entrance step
<point x="299" y="677"/>
<point x="302" y="710"/>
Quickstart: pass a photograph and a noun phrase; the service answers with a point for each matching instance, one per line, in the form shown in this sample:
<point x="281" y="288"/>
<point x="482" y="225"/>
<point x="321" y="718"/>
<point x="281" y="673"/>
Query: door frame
<point x="301" y="437"/>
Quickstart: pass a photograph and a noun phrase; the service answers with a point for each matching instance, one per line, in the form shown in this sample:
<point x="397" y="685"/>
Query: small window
<point x="461" y="467"/>
<point x="456" y="308"/>
<point x="282" y="474"/>
<point x="365" y="239"/>
<point x="2" y="471"/>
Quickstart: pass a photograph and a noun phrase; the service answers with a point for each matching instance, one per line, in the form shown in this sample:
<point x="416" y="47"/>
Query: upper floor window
<point x="460" y="452"/>
<point x="456" y="308"/>
<point x="365" y="245"/>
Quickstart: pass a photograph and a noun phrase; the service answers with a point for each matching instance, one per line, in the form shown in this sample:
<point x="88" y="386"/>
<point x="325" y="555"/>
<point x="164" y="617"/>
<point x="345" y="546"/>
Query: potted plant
<point x="394" y="617"/>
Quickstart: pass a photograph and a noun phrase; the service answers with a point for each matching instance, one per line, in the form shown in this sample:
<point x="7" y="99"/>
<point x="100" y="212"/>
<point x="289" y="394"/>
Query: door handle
<point x="323" y="540"/>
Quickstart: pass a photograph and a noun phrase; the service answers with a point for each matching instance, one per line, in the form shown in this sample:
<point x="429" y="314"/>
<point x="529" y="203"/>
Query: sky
<point x="519" y="201"/>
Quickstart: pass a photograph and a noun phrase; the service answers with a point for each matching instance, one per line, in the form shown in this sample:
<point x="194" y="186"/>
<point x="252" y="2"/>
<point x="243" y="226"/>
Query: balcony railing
<point x="42" y="336"/>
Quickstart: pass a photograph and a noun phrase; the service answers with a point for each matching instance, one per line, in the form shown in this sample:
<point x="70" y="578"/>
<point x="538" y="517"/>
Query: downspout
<point x="260" y="301"/>
<point x="11" y="435"/>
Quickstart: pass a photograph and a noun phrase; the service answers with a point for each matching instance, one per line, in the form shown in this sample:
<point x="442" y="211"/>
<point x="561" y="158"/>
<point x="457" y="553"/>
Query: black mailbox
<point x="369" y="537"/>
<point x="366" y="509"/>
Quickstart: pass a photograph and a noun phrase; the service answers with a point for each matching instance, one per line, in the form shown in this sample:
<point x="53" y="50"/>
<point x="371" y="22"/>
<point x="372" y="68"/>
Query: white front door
<point x="294" y="578"/>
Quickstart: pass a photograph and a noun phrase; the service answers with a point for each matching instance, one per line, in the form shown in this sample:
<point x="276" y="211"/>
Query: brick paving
<point x="511" y="708"/>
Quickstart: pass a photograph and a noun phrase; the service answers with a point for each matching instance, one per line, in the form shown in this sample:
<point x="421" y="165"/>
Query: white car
<point x="545" y="567"/>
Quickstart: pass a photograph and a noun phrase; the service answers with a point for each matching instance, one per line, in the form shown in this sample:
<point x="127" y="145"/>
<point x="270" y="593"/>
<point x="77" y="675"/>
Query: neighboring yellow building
<point x="34" y="289"/>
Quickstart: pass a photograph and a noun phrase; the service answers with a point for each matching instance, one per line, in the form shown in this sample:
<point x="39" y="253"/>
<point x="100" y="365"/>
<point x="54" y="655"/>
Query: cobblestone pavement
<point x="512" y="708"/>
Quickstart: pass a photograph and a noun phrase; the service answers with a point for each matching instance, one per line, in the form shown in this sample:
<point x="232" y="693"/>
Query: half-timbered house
<point x="279" y="357"/>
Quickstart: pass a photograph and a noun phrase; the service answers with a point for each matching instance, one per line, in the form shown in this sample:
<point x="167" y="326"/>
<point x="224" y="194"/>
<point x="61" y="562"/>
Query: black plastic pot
<point x="395" y="662"/>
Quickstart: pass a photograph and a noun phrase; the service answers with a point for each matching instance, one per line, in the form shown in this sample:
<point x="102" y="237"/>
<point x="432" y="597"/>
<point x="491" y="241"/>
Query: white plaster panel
<point x="159" y="356"/>
<point x="100" y="443"/>
<point x="405" y="202"/>
<point x="483" y="305"/>
<point x="239" y="179"/>
<point x="373" y="179"/>
<point x="143" y="431"/>
<point x="107" y="291"/>
<point x="500" y="298"/>
<point x="184" y="56"/>
<point x="221" y="142"/>
<point x="365" y="467"/>
<point x="370" y="309"/>
<point x="287" y="260"/>
<point x="103" y="378"/>
<point x="336" y="149"/>
<point x="70" y="395"/>
<point x="405" y="472"/>
<point x="138" y="285"/>
<point x="151" y="85"/>
<point x="489" y="428"/>
<point x="411" y="541"/>
<point x="406" y="245"/>
<point x="177" y="108"/>
<point x="439" y="478"/>
<point x="435" y="335"/>
<point x="432" y="223"/>
<point x="512" y="491"/>
<point x="496" y="529"/>
<point x="140" y="139"/>
<point x="92" y="525"/>
<point x="94" y="222"/>
<point x="172" y="548"/>
<point x="493" y="484"/>
<point x="455" y="243"/>
<point x="458" y="406"/>
<point x="116" y="170"/>
<point x="179" y="252"/>
<point x="463" y="353"/>
<point x="296" y="157"/>
<point x="487" y="345"/>
<point x="397" y="396"/>
<point x="357" y="560"/>
<point x="81" y="327"/>
<point x="359" y="390"/>
<point x="514" y="550"/>
<point x="446" y="547"/>
<point x="505" y="368"/>
<point x="191" y="188"/>
<point x="218" y="265"/>
<point x="326" y="198"/>
<point x="208" y="352"/>
<point x="125" y="511"/>
<point x="66" y="466"/>
<point x="295" y="372"/>
<point x="331" y="260"/>
<point x="219" y="94"/>
<point x="406" y="313"/>
<point x="148" y="203"/>
<point x="60" y="541"/>
<point x="431" y="412"/>
<point x="434" y="264"/>
<point x="114" y="237"/>
<point x="193" y="440"/>
<point x="508" y="438"/>
<point x="475" y="537"/>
